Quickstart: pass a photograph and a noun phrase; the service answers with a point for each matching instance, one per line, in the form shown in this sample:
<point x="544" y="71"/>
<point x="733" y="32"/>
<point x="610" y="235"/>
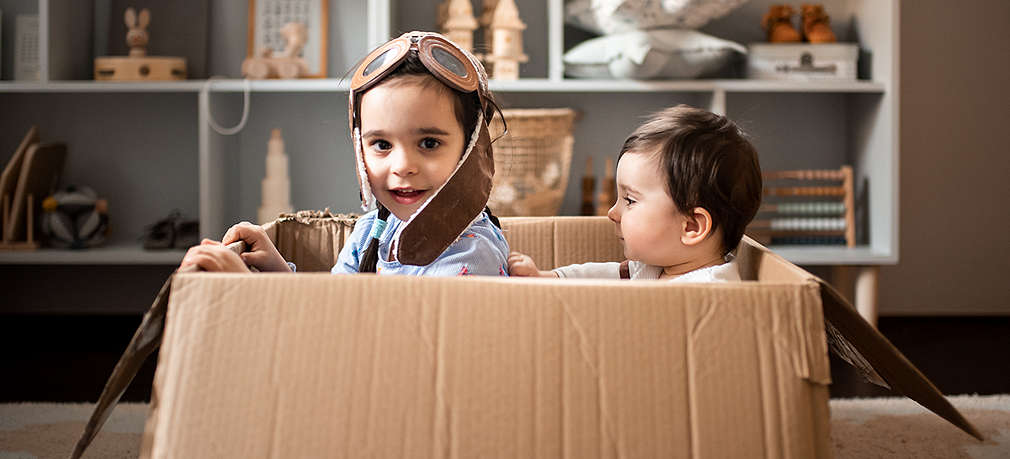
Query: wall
<point x="955" y="120"/>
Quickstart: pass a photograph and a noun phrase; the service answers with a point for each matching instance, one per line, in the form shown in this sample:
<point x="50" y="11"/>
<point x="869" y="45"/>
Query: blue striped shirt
<point x="480" y="251"/>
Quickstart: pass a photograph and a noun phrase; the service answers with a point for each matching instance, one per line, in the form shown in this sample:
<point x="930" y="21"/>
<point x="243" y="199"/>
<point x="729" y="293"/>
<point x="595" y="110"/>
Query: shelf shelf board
<point x="124" y="254"/>
<point x="85" y="86"/>
<point x="738" y="85"/>
<point x="521" y="85"/>
<point x="833" y="256"/>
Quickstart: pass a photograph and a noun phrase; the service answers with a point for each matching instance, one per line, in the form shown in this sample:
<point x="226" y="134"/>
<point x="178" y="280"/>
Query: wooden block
<point x="154" y="68"/>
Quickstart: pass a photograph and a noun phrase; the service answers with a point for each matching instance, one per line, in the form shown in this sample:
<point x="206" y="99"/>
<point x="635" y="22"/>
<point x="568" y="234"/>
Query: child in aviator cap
<point x="419" y="109"/>
<point x="688" y="183"/>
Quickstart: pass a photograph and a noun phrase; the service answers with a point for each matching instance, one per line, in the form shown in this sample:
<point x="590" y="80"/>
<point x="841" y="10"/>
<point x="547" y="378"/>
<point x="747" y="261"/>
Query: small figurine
<point x="287" y="63"/>
<point x="608" y="190"/>
<point x="507" y="43"/>
<point x="137" y="37"/>
<point x="138" y="65"/>
<point x="486" y="15"/>
<point x="588" y="189"/>
<point x="816" y="27"/>
<point x="276" y="185"/>
<point x="442" y="15"/>
<point x="777" y="22"/>
<point x="458" y="23"/>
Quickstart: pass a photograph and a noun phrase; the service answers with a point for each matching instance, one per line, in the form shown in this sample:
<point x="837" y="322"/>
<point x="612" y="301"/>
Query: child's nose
<point x="613" y="214"/>
<point x="404" y="163"/>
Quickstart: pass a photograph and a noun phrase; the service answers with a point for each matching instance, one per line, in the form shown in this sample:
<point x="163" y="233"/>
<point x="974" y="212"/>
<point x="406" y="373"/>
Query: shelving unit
<point x="793" y="124"/>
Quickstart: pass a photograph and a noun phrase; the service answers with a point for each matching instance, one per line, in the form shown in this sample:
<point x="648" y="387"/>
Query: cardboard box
<point x="315" y="365"/>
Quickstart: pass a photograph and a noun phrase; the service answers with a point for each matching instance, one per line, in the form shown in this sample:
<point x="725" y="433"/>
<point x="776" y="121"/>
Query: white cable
<point x="247" y="88"/>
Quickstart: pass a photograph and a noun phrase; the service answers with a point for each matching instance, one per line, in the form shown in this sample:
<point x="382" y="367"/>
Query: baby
<point x="688" y="183"/>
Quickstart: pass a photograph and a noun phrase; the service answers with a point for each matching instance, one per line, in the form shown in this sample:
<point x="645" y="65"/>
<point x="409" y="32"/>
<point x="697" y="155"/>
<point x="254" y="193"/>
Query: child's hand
<point x="260" y="250"/>
<point x="523" y="266"/>
<point x="214" y="256"/>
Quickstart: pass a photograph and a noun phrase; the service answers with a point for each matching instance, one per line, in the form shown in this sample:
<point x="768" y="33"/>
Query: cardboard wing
<point x="857" y="342"/>
<point x="321" y="236"/>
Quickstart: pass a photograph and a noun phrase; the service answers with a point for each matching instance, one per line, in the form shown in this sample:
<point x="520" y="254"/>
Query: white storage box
<point x="802" y="61"/>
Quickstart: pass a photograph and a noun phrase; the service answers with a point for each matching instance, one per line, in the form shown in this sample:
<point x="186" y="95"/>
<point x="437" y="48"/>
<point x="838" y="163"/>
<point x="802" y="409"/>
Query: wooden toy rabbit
<point x="138" y="66"/>
<point x="137" y="36"/>
<point x="778" y="23"/>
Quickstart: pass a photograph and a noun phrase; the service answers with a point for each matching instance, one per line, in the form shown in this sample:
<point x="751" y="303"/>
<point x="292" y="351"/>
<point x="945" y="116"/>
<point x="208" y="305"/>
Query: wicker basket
<point x="531" y="161"/>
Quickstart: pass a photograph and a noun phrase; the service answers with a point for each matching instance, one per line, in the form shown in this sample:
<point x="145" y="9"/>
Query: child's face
<point x="412" y="142"/>
<point x="648" y="222"/>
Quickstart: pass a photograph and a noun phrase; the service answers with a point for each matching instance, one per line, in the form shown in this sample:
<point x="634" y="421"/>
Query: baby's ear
<point x="697" y="226"/>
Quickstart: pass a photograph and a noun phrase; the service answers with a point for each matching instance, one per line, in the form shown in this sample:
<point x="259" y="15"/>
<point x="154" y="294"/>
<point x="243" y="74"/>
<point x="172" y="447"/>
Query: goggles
<point x="442" y="58"/>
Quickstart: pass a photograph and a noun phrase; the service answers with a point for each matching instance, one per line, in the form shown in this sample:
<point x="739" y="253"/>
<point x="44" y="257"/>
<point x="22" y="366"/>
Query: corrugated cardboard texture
<point x="311" y="239"/>
<point x="559" y="241"/>
<point x="361" y="366"/>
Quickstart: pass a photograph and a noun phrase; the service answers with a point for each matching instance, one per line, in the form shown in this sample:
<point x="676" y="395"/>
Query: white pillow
<point x="653" y="54"/>
<point x="615" y="16"/>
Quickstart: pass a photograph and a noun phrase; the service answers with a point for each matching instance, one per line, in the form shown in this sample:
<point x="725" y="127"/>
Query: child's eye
<point x="382" y="145"/>
<point x="628" y="201"/>
<point x="429" y="143"/>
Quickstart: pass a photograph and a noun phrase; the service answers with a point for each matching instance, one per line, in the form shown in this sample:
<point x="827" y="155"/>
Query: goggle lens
<point x="448" y="61"/>
<point x="378" y="62"/>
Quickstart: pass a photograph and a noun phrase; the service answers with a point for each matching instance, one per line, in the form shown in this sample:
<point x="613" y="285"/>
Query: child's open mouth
<point x="407" y="196"/>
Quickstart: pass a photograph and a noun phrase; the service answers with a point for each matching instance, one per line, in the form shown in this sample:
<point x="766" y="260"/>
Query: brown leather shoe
<point x="778" y="23"/>
<point x="816" y="24"/>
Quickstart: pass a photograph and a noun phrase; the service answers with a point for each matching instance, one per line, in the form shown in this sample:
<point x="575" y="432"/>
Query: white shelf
<point x="522" y="85"/>
<point x="825" y="255"/>
<point x="741" y="85"/>
<point x="101" y="86"/>
<point x="108" y="255"/>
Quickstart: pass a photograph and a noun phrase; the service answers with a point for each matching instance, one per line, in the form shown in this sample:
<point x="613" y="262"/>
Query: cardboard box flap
<point x="145" y="340"/>
<point x="875" y="350"/>
<point x="469" y="367"/>
<point x="853" y="339"/>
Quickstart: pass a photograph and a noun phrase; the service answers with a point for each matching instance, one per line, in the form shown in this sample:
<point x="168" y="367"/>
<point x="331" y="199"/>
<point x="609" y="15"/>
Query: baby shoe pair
<point x="778" y="23"/>
<point x="172" y="232"/>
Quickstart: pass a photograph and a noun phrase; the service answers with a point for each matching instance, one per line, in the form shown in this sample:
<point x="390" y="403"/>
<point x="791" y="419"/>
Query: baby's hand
<point x="260" y="250"/>
<point x="214" y="256"/>
<point x="523" y="266"/>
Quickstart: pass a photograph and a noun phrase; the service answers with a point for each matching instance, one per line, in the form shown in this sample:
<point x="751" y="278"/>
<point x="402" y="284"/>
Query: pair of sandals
<point x="172" y="232"/>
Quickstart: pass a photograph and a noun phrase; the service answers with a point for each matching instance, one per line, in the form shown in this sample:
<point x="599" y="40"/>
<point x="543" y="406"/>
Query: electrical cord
<point x="247" y="88"/>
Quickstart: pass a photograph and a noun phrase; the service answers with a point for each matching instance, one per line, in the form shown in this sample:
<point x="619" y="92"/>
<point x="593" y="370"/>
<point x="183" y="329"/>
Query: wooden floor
<point x="67" y="358"/>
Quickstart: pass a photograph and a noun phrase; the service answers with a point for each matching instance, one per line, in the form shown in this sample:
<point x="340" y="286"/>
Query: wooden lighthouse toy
<point x="276" y="186"/>
<point x="459" y="23"/>
<point x="507" y="41"/>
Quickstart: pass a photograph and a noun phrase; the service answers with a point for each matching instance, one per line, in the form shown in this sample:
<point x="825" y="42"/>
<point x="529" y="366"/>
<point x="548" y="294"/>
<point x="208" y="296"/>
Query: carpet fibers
<point x="860" y="428"/>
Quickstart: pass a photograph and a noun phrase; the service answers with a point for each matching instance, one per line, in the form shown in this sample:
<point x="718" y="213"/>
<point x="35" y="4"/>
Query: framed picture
<point x="266" y="17"/>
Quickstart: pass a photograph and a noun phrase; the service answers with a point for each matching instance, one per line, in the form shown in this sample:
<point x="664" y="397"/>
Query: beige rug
<point x="861" y="428"/>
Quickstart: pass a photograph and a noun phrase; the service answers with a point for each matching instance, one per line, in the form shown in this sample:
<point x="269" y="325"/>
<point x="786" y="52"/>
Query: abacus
<point x="807" y="207"/>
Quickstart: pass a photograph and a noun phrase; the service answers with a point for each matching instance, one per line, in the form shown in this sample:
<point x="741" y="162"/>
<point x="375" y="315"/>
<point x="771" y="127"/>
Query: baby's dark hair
<point x="466" y="107"/>
<point x="707" y="162"/>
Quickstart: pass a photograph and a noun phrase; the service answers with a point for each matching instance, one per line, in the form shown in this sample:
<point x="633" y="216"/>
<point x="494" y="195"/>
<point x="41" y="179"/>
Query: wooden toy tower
<point x="507" y="41"/>
<point x="459" y="23"/>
